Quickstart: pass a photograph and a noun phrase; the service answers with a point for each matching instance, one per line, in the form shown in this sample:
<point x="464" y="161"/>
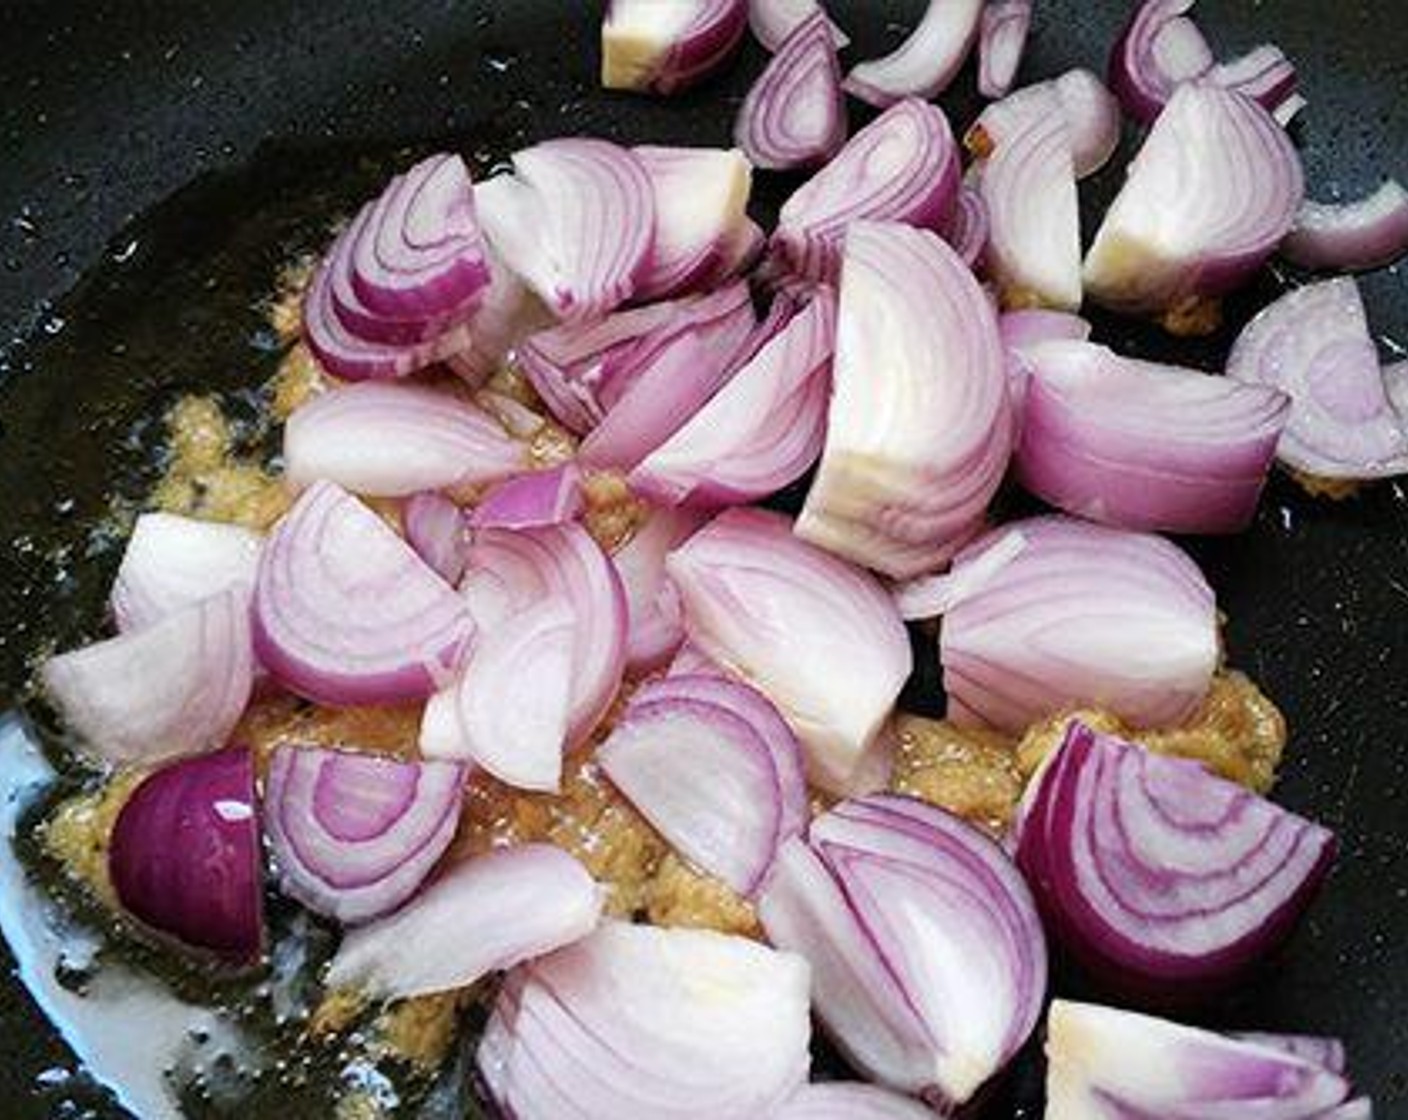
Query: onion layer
<point x="1002" y="38"/>
<point x="1368" y="233"/>
<point x="664" y="48"/>
<point x="819" y="638"/>
<point x="969" y="231"/>
<point x="354" y="835"/>
<point x="925" y="63"/>
<point x="848" y="1100"/>
<point x="435" y="527"/>
<point x="772" y="21"/>
<point x="1078" y="97"/>
<point x="1159" y="48"/>
<point x="656" y="625"/>
<point x="171" y="562"/>
<point x="1081" y="616"/>
<point x="532" y="500"/>
<point x="918" y="433"/>
<point x="795" y="113"/>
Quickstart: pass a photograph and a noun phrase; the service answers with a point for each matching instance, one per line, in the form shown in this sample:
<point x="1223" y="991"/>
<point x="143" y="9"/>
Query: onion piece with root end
<point x="1160" y="878"/>
<point x="849" y="1100"/>
<point x="925" y="63"/>
<point x="1078" y="97"/>
<point x="772" y="21"/>
<point x="970" y="229"/>
<point x="656" y="626"/>
<point x="392" y="440"/>
<point x="919" y="431"/>
<point x="435" y="527"/>
<point x="1208" y="198"/>
<point x="1314" y="344"/>
<point x="901" y="167"/>
<point x="795" y="113"/>
<point x="1145" y="446"/>
<point x="175" y="687"/>
<point x="354" y="835"/>
<point x="712" y="766"/>
<point x="171" y="562"/>
<point x="1357" y="236"/>
<point x="1104" y="1064"/>
<point x="928" y="962"/>
<point x="817" y="637"/>
<point x="1083" y="616"/>
<point x="346" y="613"/>
<point x="485" y="914"/>
<point x="184" y="857"/>
<point x="664" y="48"/>
<point x="637" y="1021"/>
<point x="1002" y="39"/>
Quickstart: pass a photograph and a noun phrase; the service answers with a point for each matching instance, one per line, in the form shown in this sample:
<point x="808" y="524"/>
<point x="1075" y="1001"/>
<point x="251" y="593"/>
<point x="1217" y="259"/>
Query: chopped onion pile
<point x="665" y="47"/>
<point x="928" y="963"/>
<point x="1090" y="112"/>
<point x="925" y="63"/>
<point x="1002" y="38"/>
<point x="795" y="113"/>
<point x="1367" y="233"/>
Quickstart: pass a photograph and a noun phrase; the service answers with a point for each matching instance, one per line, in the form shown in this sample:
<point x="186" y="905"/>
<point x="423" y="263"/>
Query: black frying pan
<point x="246" y="124"/>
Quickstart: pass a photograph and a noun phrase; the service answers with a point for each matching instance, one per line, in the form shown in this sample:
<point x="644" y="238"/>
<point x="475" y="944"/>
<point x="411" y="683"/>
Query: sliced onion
<point x="818" y="637"/>
<point x="1002" y="39"/>
<point x="703" y="760"/>
<point x="435" y="528"/>
<point x="969" y="230"/>
<point x="664" y="48"/>
<point x="175" y="687"/>
<point x="1104" y="1064"/>
<point x="1034" y="251"/>
<point x="1314" y="344"/>
<point x="171" y="562"/>
<point x="1327" y="1053"/>
<point x="354" y="835"/>
<point x="530" y="501"/>
<point x="762" y="430"/>
<point x="1078" y="97"/>
<point x="507" y="314"/>
<point x="701" y="195"/>
<point x="795" y="113"/>
<point x="656" y="625"/>
<point x="1357" y="236"/>
<point x="639" y="1021"/>
<point x="919" y="432"/>
<point x="772" y="21"/>
<point x="1157" y="876"/>
<point x="184" y="856"/>
<point x="1209" y="197"/>
<point x="925" y="63"/>
<point x="928" y="962"/>
<point x="485" y="914"/>
<point x="576" y="221"/>
<point x="850" y="1100"/>
<point x="1083" y="616"/>
<point x="901" y="167"/>
<point x="1160" y="48"/>
<point x="393" y="440"/>
<point x="1264" y="74"/>
<point x="1145" y="446"/>
<point x="345" y="612"/>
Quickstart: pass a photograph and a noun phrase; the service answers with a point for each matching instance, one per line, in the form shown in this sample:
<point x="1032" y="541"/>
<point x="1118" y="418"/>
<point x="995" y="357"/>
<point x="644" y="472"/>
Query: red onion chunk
<point x="697" y="757"/>
<point x="1078" y="97"/>
<point x="354" y="835"/>
<point x="1208" y="198"/>
<point x="394" y="440"/>
<point x="772" y="21"/>
<point x="575" y="221"/>
<point x="506" y="315"/>
<point x="850" y="1100"/>
<point x="935" y="595"/>
<point x="1083" y="615"/>
<point x="1104" y="1064"/>
<point x="345" y="612"/>
<point x="1327" y="1053"/>
<point x="1034" y="251"/>
<point x="1356" y="236"/>
<point x="512" y="571"/>
<point x="1002" y="39"/>
<point x="1160" y="48"/>
<point x="925" y="63"/>
<point x="664" y="48"/>
<point x="1157" y="876"/>
<point x="762" y="430"/>
<point x="421" y="255"/>
<point x="488" y="913"/>
<point x="901" y="167"/>
<point x="701" y="198"/>
<point x="929" y="967"/>
<point x="919" y="432"/>
<point x="970" y="228"/>
<point x="435" y="527"/>
<point x="530" y="501"/>
<point x="1145" y="446"/>
<point x="656" y="624"/>
<point x="795" y="113"/>
<point x="674" y="1024"/>
<point x="172" y="562"/>
<point x="1265" y="75"/>
<point x="1022" y="331"/>
<point x="1314" y="344"/>
<point x="175" y="687"/>
<point x="819" y="638"/>
<point x="184" y="856"/>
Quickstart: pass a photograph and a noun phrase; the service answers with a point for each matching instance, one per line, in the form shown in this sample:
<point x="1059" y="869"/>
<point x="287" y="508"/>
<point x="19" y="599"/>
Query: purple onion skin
<point x="185" y="857"/>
